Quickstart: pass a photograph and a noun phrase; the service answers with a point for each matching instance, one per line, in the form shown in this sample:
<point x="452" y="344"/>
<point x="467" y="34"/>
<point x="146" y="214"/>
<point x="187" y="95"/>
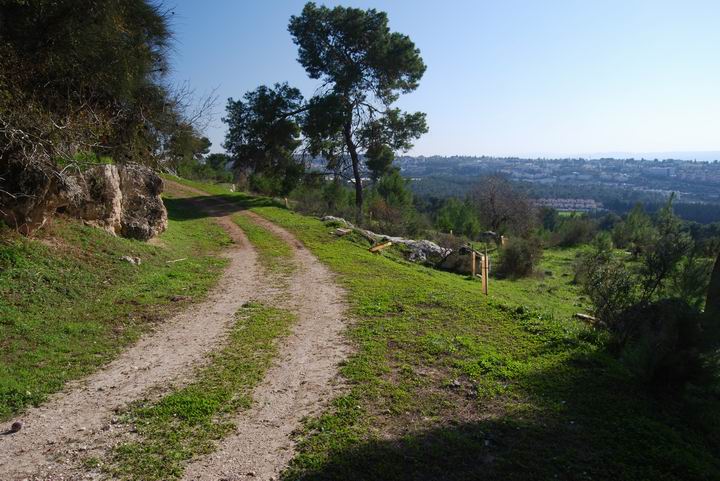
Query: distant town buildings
<point x="564" y="183"/>
<point x="692" y="181"/>
<point x="570" y="205"/>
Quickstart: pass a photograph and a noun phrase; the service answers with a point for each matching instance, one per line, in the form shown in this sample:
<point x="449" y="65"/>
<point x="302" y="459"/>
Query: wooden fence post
<point x="473" y="260"/>
<point x="487" y="273"/>
<point x="485" y="268"/>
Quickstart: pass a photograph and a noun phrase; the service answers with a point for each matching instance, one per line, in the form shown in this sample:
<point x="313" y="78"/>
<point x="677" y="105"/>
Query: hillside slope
<point x="448" y="384"/>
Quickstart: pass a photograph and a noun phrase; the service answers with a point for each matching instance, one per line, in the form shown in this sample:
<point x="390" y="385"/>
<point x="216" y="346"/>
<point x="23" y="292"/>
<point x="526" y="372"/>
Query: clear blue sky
<point x="504" y="77"/>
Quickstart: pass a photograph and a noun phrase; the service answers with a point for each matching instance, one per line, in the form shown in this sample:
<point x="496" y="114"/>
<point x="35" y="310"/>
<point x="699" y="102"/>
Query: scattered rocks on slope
<point x="136" y="261"/>
<point x="337" y="220"/>
<point x="458" y="261"/>
<point x="423" y="251"/>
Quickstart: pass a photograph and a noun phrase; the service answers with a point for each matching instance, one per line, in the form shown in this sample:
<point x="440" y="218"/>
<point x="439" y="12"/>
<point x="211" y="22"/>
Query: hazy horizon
<point x="700" y="156"/>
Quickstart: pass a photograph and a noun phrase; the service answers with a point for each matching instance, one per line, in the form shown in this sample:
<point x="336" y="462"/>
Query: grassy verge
<point x="448" y="384"/>
<point x="69" y="304"/>
<point x="187" y="422"/>
<point x="274" y="254"/>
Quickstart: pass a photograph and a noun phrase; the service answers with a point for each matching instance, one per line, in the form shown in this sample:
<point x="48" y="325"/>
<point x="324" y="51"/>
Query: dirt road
<point x="56" y="435"/>
<point x="302" y="381"/>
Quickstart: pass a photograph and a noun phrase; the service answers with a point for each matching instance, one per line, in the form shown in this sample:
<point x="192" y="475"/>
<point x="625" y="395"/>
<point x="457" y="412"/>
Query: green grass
<point x="189" y="421"/>
<point x="551" y="290"/>
<point x="210" y="188"/>
<point x="69" y="304"/>
<point x="449" y="384"/>
<point x="274" y="254"/>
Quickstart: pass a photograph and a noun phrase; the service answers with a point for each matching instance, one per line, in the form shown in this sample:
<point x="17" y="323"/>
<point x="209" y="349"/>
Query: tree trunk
<point x="711" y="322"/>
<point x="712" y="306"/>
<point x="347" y="131"/>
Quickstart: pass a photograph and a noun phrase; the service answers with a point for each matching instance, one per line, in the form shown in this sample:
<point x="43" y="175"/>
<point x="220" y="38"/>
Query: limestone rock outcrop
<point x="100" y="201"/>
<point x="144" y="214"/>
<point x="32" y="193"/>
<point x="122" y="199"/>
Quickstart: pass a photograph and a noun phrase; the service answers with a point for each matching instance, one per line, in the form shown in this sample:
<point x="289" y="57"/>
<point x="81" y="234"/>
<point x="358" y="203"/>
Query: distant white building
<point x="570" y="205"/>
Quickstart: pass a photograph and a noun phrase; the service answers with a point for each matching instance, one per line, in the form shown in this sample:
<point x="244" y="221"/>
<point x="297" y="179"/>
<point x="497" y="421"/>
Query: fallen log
<point x="379" y="247"/>
<point x="585" y="317"/>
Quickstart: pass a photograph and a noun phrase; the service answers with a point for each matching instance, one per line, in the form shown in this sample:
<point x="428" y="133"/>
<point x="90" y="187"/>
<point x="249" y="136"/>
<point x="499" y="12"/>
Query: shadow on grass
<point x="580" y="421"/>
<point x="182" y="209"/>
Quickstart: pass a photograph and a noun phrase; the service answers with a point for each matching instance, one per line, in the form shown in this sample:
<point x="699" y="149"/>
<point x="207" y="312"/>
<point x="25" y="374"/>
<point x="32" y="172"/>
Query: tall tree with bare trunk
<point x="364" y="67"/>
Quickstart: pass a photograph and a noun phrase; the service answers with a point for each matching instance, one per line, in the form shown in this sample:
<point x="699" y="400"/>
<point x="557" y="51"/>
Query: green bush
<point x="390" y="206"/>
<point x="612" y="290"/>
<point x="574" y="231"/>
<point x="661" y="345"/>
<point x="315" y="196"/>
<point x="636" y="232"/>
<point x="519" y="257"/>
<point x="204" y="172"/>
<point x="459" y="218"/>
<point x="601" y="252"/>
<point x="651" y="305"/>
<point x="338" y="199"/>
<point x="308" y="200"/>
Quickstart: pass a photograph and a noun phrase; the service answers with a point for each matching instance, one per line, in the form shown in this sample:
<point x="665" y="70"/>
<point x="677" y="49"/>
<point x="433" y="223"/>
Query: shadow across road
<point x="189" y="208"/>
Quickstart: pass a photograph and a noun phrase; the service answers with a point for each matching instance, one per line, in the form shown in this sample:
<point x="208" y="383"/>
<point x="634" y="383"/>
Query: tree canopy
<point x="88" y="76"/>
<point x="501" y="207"/>
<point x="350" y="121"/>
<point x="364" y="67"/>
<point x="263" y="133"/>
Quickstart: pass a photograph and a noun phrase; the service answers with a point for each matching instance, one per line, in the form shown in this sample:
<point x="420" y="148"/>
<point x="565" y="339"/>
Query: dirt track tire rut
<point x="301" y="382"/>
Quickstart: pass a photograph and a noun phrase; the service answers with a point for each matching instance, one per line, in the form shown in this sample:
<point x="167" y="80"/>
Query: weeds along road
<point x="79" y="422"/>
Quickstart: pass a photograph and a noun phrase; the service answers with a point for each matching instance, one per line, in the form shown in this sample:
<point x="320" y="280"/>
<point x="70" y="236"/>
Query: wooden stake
<point x="474" y="263"/>
<point x="379" y="247"/>
<point x="485" y="272"/>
